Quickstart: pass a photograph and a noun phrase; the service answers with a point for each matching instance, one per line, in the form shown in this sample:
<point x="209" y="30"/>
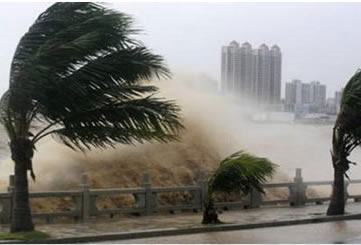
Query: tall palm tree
<point x="239" y="172"/>
<point x="78" y="73"/>
<point x="346" y="137"/>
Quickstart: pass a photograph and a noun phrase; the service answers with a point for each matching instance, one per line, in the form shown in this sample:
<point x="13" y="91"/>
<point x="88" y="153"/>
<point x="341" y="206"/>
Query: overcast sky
<point x="319" y="41"/>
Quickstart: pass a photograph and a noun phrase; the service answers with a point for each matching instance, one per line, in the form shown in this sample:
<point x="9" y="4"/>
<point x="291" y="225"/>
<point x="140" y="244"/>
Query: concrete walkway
<point x="186" y="221"/>
<point x="335" y="232"/>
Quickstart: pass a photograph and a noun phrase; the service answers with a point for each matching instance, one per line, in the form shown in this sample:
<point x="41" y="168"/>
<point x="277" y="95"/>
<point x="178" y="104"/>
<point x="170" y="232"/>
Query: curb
<point x="185" y="231"/>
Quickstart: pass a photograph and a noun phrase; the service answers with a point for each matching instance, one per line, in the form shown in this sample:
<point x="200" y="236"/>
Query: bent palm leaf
<point x="346" y="137"/>
<point x="79" y="74"/>
<point x="240" y="172"/>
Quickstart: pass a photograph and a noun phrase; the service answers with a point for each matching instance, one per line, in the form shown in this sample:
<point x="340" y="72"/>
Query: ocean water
<point x="215" y="127"/>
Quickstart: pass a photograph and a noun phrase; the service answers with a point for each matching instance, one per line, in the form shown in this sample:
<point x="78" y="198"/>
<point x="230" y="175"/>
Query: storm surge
<point x="216" y="126"/>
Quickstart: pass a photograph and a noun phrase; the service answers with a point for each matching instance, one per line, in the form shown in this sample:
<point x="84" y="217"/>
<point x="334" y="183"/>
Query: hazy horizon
<point x="318" y="40"/>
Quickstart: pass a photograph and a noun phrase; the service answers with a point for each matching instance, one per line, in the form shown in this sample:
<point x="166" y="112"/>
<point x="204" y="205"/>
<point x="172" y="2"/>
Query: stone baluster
<point x="298" y="190"/>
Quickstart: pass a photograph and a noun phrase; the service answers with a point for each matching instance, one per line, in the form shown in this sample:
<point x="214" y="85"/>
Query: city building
<point x="263" y="81"/>
<point x="338" y="97"/>
<point x="306" y="94"/>
<point x="276" y="74"/>
<point x="230" y="74"/>
<point x="306" y="97"/>
<point x="333" y="104"/>
<point x="318" y="94"/>
<point x="331" y="107"/>
<point x="293" y="95"/>
<point x="246" y="69"/>
<point x="252" y="74"/>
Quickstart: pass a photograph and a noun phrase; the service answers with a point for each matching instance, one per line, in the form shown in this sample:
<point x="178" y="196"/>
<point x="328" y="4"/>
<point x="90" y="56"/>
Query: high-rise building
<point x="312" y="94"/>
<point x="306" y="93"/>
<point x="338" y="97"/>
<point x="252" y="73"/>
<point x="318" y="94"/>
<point x="331" y="107"/>
<point x="276" y="74"/>
<point x="230" y="68"/>
<point x="246" y="70"/>
<point x="290" y="98"/>
<point x="264" y="75"/>
<point x="294" y="92"/>
<point x="333" y="104"/>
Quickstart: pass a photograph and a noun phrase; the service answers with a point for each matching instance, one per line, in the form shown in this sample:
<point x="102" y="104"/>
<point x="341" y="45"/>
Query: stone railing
<point x="146" y="198"/>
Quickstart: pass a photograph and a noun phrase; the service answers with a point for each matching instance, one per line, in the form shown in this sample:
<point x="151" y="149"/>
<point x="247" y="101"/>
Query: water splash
<point x="215" y="127"/>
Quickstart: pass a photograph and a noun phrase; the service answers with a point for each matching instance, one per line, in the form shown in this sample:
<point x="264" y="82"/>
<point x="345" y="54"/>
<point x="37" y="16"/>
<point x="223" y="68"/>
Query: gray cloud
<point x="319" y="41"/>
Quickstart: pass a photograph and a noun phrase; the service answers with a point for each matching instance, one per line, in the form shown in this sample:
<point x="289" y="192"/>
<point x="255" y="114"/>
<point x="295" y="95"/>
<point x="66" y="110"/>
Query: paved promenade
<point x="335" y="232"/>
<point x="128" y="224"/>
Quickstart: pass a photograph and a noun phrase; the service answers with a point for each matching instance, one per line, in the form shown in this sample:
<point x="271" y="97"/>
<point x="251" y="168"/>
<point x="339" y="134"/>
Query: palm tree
<point x="346" y="137"/>
<point x="239" y="172"/>
<point x="78" y="73"/>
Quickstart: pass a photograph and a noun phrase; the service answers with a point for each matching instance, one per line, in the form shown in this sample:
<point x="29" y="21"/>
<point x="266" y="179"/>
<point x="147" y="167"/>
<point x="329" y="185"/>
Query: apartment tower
<point x="252" y="74"/>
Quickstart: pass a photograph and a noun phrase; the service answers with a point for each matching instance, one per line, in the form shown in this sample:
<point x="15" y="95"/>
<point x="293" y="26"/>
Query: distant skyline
<point x="252" y="73"/>
<point x="319" y="41"/>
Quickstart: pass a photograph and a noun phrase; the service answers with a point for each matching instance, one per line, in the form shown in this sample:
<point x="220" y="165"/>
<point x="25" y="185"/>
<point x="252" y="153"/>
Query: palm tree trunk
<point x="21" y="219"/>
<point x="210" y="215"/>
<point x="337" y="204"/>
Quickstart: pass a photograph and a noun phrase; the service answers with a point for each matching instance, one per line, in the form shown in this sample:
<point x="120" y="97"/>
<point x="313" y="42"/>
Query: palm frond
<point x="349" y="117"/>
<point x="347" y="130"/>
<point x="4" y="107"/>
<point x="68" y="34"/>
<point x="241" y="172"/>
<point x="126" y="122"/>
<point x="71" y="36"/>
<point x="5" y="118"/>
<point x="79" y="69"/>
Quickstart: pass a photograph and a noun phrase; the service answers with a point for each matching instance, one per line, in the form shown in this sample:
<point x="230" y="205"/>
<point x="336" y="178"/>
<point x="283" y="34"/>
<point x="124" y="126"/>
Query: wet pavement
<point x="101" y="226"/>
<point x="330" y="232"/>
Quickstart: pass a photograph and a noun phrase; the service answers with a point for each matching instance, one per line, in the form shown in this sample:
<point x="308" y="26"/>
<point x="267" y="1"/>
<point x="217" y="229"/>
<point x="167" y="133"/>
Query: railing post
<point x="139" y="201"/>
<point x="150" y="201"/>
<point x="203" y="185"/>
<point x="92" y="204"/>
<point x="196" y="200"/>
<point x="84" y="187"/>
<point x="197" y="194"/>
<point x="78" y="200"/>
<point x="255" y="198"/>
<point x="6" y="203"/>
<point x="298" y="190"/>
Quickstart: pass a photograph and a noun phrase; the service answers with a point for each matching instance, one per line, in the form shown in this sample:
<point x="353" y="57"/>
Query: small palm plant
<point x="346" y="137"/>
<point x="239" y="172"/>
